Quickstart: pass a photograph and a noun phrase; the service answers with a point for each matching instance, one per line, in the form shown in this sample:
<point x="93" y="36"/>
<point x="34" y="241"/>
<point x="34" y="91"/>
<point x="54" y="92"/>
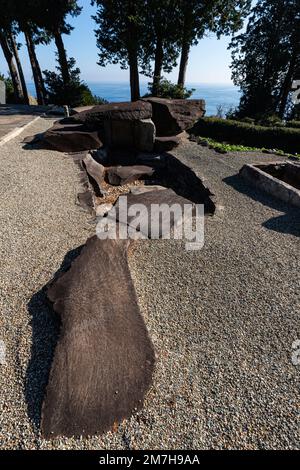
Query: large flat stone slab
<point x="104" y="358"/>
<point x="123" y="111"/>
<point x="150" y="225"/>
<point x="71" y="138"/>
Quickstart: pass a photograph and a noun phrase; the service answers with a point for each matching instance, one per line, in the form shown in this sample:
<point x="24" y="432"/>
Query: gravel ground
<point x="222" y="319"/>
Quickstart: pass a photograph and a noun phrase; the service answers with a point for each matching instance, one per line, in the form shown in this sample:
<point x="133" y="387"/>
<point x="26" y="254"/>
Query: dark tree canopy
<point x="198" y="17"/>
<point x="266" y="56"/>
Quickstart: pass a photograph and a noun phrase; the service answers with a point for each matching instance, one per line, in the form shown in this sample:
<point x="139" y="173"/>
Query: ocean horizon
<point x="214" y="94"/>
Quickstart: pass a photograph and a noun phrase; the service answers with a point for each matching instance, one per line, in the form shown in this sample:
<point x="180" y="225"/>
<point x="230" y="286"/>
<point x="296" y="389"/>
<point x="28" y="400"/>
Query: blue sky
<point x="209" y="60"/>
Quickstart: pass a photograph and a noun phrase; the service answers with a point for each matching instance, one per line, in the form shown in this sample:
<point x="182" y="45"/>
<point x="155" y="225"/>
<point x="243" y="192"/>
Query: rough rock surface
<point x="165" y="144"/>
<point x="149" y="226"/>
<point x="124" y="111"/>
<point x="104" y="358"/>
<point x="94" y="169"/>
<point x="71" y="138"/>
<point x="120" y="175"/>
<point x="174" y="116"/>
<point x="117" y="125"/>
<point x="133" y="134"/>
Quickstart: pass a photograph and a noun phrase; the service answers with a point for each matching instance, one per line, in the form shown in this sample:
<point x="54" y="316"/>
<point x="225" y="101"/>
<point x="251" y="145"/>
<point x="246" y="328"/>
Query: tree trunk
<point x="62" y="58"/>
<point x="185" y="50"/>
<point x="20" y="68"/>
<point x="36" y="71"/>
<point x="134" y="77"/>
<point x="12" y="68"/>
<point x="132" y="45"/>
<point x="287" y="86"/>
<point x="158" y="63"/>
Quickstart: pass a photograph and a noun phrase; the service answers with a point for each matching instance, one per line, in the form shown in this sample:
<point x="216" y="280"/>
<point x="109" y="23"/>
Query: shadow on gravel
<point x="285" y="223"/>
<point x="45" y="325"/>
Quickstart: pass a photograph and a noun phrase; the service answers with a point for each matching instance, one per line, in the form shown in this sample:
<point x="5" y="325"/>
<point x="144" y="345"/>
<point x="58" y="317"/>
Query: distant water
<point x="214" y="94"/>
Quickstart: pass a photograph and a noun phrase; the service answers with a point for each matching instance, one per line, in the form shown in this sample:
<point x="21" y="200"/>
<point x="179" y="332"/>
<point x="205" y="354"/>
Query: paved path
<point x="15" y="117"/>
<point x="222" y="319"/>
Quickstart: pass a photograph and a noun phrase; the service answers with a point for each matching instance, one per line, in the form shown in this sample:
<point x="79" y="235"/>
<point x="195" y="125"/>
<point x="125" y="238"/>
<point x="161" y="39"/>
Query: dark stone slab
<point x="124" y="111"/>
<point x="172" y="173"/>
<point x="71" y="138"/>
<point x="120" y="175"/>
<point x="164" y="144"/>
<point x="174" y="116"/>
<point x="148" y="198"/>
<point x="104" y="359"/>
<point x="94" y="169"/>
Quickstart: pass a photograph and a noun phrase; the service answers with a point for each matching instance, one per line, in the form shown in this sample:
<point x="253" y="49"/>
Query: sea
<point x="216" y="95"/>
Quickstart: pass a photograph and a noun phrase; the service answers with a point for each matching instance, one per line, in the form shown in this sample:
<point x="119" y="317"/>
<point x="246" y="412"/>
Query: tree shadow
<point x="289" y="222"/>
<point x="45" y="324"/>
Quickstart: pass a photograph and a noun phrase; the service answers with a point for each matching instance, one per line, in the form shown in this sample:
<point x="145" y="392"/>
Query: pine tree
<point x="200" y="16"/>
<point x="266" y="57"/>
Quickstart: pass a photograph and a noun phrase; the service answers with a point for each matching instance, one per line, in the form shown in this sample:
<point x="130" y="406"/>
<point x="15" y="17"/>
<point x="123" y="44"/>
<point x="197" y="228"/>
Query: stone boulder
<point x="124" y="111"/>
<point x="171" y="117"/>
<point x="71" y="138"/>
<point x="165" y="144"/>
<point x="121" y="125"/>
<point x="94" y="169"/>
<point x="133" y="134"/>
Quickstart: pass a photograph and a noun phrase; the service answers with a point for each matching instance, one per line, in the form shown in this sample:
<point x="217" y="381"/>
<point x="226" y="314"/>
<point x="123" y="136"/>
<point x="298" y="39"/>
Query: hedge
<point x="250" y="135"/>
<point x="293" y="124"/>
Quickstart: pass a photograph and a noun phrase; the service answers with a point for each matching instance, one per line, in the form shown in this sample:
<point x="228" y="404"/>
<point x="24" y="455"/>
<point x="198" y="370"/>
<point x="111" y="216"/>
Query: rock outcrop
<point x="174" y="116"/>
<point x="125" y="111"/>
<point x="140" y="126"/>
<point x="71" y="137"/>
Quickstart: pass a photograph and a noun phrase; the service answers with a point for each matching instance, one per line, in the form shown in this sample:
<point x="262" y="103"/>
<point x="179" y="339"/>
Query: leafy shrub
<point x="293" y="124"/>
<point x="75" y="93"/>
<point x="225" y="130"/>
<point x="248" y="120"/>
<point x="166" y="89"/>
<point x="9" y="89"/>
<point x="270" y="121"/>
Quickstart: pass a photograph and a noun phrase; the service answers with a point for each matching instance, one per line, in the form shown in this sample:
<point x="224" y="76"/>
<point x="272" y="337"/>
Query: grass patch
<point x="225" y="147"/>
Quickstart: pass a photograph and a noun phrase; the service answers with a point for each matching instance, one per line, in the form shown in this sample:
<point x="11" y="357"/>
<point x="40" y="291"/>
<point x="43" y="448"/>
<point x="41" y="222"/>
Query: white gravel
<point x="222" y="319"/>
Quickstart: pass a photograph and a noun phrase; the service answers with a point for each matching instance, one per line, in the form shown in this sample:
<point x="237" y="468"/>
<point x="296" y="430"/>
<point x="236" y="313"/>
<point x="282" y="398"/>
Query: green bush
<point x="224" y="130"/>
<point x="293" y="124"/>
<point x="75" y="93"/>
<point x="270" y="121"/>
<point x="169" y="90"/>
<point x="248" y="120"/>
<point x="9" y="89"/>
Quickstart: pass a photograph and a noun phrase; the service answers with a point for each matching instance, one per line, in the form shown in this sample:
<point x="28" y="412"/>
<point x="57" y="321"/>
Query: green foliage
<point x="166" y="89"/>
<point x="120" y="31"/>
<point x="295" y="115"/>
<point x="75" y="93"/>
<point x="248" y="134"/>
<point x="270" y="121"/>
<point x="224" y="147"/>
<point x="248" y="120"/>
<point x="266" y="57"/>
<point x="9" y="89"/>
<point x="293" y="124"/>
